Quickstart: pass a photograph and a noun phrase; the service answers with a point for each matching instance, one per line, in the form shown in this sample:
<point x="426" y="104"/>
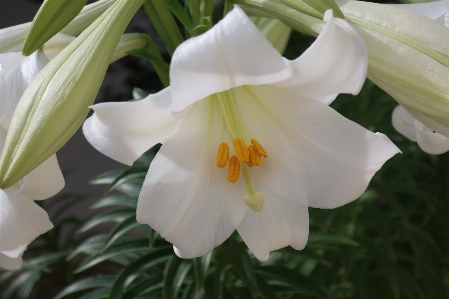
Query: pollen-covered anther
<point x="259" y="148"/>
<point x="254" y="156"/>
<point x="233" y="169"/>
<point x="241" y="150"/>
<point x="223" y="155"/>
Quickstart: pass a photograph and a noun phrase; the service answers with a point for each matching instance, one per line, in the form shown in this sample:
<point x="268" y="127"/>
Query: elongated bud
<point x="12" y="38"/>
<point x="56" y="102"/>
<point x="129" y="42"/>
<point x="408" y="58"/>
<point x="52" y="17"/>
<point x="314" y="8"/>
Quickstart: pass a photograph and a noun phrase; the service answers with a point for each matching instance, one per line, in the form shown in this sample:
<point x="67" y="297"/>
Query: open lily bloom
<point x="249" y="141"/>
<point x="21" y="219"/>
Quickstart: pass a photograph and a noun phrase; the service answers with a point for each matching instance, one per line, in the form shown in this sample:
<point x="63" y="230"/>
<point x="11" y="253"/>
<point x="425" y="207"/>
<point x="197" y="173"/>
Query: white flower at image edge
<point x="429" y="141"/>
<point x="249" y="141"/>
<point x="21" y="219"/>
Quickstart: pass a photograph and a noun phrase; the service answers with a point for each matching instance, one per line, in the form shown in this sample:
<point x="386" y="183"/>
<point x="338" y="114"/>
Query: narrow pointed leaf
<point x="147" y="261"/>
<point x="85" y="284"/>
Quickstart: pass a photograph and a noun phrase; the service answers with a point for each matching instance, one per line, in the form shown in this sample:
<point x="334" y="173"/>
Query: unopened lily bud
<point x="52" y="17"/>
<point x="56" y="103"/>
<point x="12" y="38"/>
<point x="408" y="58"/>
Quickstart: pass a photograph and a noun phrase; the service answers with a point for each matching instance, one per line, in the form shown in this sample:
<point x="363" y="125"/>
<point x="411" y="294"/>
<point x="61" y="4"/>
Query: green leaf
<point x="121" y="229"/>
<point x="237" y="255"/>
<point x="129" y="174"/>
<point x="164" y="23"/>
<point x="175" y="274"/>
<point x="85" y="284"/>
<point x="180" y="13"/>
<point x="97" y="294"/>
<point x="16" y="284"/>
<point x="143" y="53"/>
<point x="108" y="216"/>
<point x="265" y="291"/>
<point x="115" y="200"/>
<point x="125" y="277"/>
<point x="89" y="246"/>
<point x="152" y="54"/>
<point x="292" y="279"/>
<point x="146" y="286"/>
<point x="139" y="94"/>
<point x="125" y="246"/>
<point x="105" y="178"/>
<point x="320" y="238"/>
<point x="51" y="18"/>
<point x="200" y="266"/>
<point x="214" y="286"/>
<point x="41" y="262"/>
<point x="198" y="30"/>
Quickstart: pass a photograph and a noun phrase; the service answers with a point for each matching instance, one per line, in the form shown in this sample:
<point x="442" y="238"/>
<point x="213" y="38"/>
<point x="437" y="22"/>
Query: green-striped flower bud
<point x="56" y="103"/>
<point x="12" y="38"/>
<point x="408" y="58"/>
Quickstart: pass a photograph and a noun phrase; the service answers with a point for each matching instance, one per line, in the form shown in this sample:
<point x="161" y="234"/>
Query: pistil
<point x="243" y="155"/>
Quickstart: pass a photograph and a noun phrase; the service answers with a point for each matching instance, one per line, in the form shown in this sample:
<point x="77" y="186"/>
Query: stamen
<point x="254" y="157"/>
<point x="234" y="169"/>
<point x="241" y="150"/>
<point x="259" y="148"/>
<point x="223" y="155"/>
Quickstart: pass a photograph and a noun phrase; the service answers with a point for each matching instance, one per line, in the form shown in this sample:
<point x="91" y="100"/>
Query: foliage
<point x="390" y="243"/>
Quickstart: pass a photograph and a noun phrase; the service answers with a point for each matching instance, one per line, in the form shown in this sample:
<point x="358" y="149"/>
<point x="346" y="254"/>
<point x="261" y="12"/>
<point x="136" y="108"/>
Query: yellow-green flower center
<point x="243" y="154"/>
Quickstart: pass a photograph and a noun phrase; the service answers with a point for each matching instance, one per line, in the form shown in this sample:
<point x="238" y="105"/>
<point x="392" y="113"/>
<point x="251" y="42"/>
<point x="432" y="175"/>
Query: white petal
<point x="185" y="196"/>
<point x="280" y="223"/>
<point x="21" y="221"/>
<point x="10" y="62"/>
<point x="44" y="181"/>
<point x="429" y="122"/>
<point x="56" y="44"/>
<point x="335" y="63"/>
<point x="233" y="53"/>
<point x="433" y="10"/>
<point x="19" y="79"/>
<point x="316" y="157"/>
<point x="403" y="122"/>
<point x="430" y="142"/>
<point x="124" y="131"/>
<point x="10" y="263"/>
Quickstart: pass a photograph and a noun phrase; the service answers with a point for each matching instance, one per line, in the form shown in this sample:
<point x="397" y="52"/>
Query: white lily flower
<point x="428" y="140"/>
<point x="284" y="147"/>
<point x="21" y="219"/>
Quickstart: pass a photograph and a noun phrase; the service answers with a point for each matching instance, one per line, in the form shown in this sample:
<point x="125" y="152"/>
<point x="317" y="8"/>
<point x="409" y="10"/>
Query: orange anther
<point x="259" y="148"/>
<point x="254" y="157"/>
<point x="234" y="169"/>
<point x="223" y="155"/>
<point x="241" y="150"/>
